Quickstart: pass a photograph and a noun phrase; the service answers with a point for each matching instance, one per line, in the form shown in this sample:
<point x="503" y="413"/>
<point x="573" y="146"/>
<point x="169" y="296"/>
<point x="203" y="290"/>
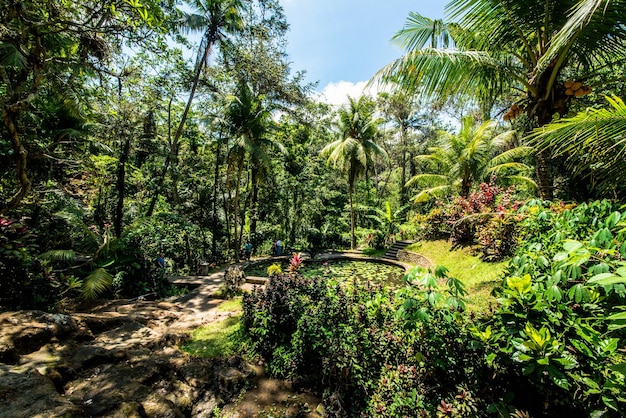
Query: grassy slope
<point x="478" y="276"/>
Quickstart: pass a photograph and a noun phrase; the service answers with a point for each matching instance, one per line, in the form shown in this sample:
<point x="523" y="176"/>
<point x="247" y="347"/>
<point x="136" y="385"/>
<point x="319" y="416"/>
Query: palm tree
<point x="216" y="19"/>
<point x="593" y="142"/>
<point x="403" y="111"/>
<point x="355" y="148"/>
<point x="473" y="155"/>
<point x="249" y="120"/>
<point x="516" y="45"/>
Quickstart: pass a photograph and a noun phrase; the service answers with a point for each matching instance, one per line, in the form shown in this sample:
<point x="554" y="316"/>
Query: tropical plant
<point x="561" y="315"/>
<point x="473" y="155"/>
<point x="388" y="222"/>
<point x="355" y="148"/>
<point x="525" y="46"/>
<point x="216" y="19"/>
<point x="248" y="118"/>
<point x="593" y="143"/>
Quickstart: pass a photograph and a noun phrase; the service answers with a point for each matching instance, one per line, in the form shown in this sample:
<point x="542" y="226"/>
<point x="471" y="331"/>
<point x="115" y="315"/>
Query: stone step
<point x="392" y="253"/>
<point x="257" y="280"/>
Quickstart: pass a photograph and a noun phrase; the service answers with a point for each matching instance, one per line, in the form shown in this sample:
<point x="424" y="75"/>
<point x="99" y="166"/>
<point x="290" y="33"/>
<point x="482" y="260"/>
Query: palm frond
<point x="445" y="73"/>
<point x="522" y="180"/>
<point x="592" y="140"/>
<point x="596" y="23"/>
<point x="66" y="256"/>
<point x="511" y="166"/>
<point x="428" y="179"/>
<point x="431" y="193"/>
<point x="510" y="156"/>
<point x="97" y="282"/>
<point x="419" y="32"/>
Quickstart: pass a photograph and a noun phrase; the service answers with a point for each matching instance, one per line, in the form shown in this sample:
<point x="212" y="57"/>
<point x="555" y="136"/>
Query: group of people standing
<point x="277" y="248"/>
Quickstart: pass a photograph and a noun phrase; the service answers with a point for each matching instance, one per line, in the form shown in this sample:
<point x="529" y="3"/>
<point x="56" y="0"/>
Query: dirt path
<point x="121" y="359"/>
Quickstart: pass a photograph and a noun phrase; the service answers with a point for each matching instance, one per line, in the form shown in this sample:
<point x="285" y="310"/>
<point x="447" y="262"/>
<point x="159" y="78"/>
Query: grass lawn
<point x="478" y="276"/>
<point x="217" y="339"/>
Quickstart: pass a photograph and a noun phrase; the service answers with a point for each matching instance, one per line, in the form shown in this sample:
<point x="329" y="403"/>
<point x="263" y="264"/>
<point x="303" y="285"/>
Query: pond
<point x="340" y="270"/>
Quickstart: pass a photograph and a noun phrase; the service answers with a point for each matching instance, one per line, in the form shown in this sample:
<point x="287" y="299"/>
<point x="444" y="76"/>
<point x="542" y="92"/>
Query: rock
<point x="129" y="410"/>
<point x="157" y="407"/>
<point x="8" y="354"/>
<point x="41" y="400"/>
<point x="31" y="338"/>
<point x="205" y="406"/>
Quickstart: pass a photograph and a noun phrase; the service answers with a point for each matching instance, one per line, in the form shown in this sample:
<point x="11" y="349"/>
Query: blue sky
<point x="342" y="43"/>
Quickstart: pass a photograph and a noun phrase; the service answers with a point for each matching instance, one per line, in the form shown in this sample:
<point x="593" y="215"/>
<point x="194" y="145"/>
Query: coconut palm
<point x="355" y="148"/>
<point x="215" y="19"/>
<point x="516" y="45"/>
<point x="249" y="121"/>
<point x="473" y="155"/>
<point x="593" y="142"/>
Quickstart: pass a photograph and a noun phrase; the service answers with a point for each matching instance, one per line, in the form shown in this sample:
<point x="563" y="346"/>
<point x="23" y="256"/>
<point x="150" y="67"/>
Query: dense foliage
<point x="552" y="347"/>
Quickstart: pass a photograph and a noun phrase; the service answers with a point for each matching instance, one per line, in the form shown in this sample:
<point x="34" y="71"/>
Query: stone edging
<point x="414" y="259"/>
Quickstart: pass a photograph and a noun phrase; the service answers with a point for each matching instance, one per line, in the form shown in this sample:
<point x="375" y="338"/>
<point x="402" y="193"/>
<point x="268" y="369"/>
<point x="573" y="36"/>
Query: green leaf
<point x="607" y="346"/>
<point x="620" y="368"/>
<point x="96" y="283"/>
<point x="571" y="246"/>
<point x="610" y="402"/>
<point x="606" y="279"/>
<point x="613" y="219"/>
<point x="617" y="316"/>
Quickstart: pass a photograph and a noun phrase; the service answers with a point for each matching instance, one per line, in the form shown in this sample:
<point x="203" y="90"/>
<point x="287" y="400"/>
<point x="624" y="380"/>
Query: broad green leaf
<point x="620" y="368"/>
<point x="613" y="219"/>
<point x="520" y="284"/>
<point x="571" y="246"/>
<point x="606" y="279"/>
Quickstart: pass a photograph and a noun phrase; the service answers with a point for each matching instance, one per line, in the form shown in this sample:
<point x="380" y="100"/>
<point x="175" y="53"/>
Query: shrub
<point x="487" y="217"/>
<point x="560" y="324"/>
<point x="24" y="282"/>
<point x="351" y="337"/>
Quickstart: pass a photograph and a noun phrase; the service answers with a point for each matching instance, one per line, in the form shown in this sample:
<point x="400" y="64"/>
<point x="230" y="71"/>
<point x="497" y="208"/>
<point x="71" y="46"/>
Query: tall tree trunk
<point x="404" y="198"/>
<point x="216" y="174"/>
<point x="227" y="200"/>
<point x="211" y="36"/>
<point x="352" y="235"/>
<point x="10" y="118"/>
<point x="121" y="186"/>
<point x="254" y="204"/>
<point x="295" y="219"/>
<point x="544" y="177"/>
<point x="166" y="165"/>
<point x="236" y="209"/>
<point x="543" y="115"/>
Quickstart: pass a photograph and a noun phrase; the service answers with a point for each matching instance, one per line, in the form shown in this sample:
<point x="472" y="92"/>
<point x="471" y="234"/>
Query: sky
<point x="342" y="43"/>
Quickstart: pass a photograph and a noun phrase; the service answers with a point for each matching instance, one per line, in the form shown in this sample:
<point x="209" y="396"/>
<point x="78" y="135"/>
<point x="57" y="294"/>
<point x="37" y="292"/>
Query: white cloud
<point x="337" y="93"/>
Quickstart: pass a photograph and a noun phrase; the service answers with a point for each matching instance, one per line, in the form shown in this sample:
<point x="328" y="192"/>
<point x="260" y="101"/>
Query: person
<point x="160" y="262"/>
<point x="247" y="248"/>
<point x="278" y="246"/>
<point x="273" y="248"/>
